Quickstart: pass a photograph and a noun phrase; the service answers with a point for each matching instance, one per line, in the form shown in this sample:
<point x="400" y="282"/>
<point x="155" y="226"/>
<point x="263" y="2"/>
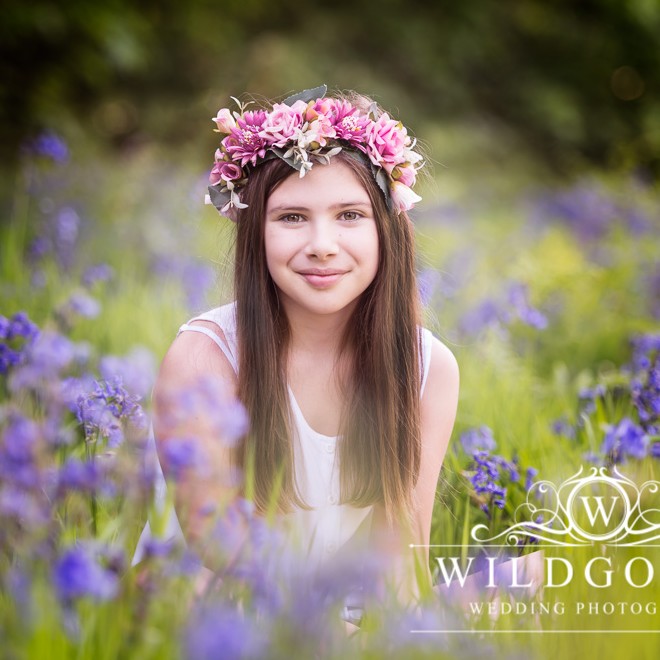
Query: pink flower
<point x="225" y="121"/>
<point x="404" y="173"/>
<point x="386" y="141"/>
<point x="403" y="197"/>
<point x="245" y="143"/>
<point x="349" y="124"/>
<point x="283" y="122"/>
<point x="225" y="171"/>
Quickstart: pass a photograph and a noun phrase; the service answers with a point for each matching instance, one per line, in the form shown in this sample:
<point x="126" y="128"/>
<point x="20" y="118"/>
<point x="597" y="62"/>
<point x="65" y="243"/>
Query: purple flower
<point x="218" y="631"/>
<point x="245" y="142"/>
<point x="529" y="476"/>
<point x="587" y="209"/>
<point x="645" y="384"/>
<point x="562" y="426"/>
<point x="427" y="283"/>
<point x="137" y="370"/>
<point x="16" y="334"/>
<point x="485" y="314"/>
<point x="83" y="305"/>
<point x="49" y="145"/>
<point x="102" y="411"/>
<point x="210" y="399"/>
<point x="518" y="298"/>
<point x="66" y="229"/>
<point x="18" y="448"/>
<point x="197" y="279"/>
<point x="45" y="358"/>
<point x="97" y="273"/>
<point x="180" y="455"/>
<point x="78" y="574"/>
<point x="625" y="439"/>
<point x="473" y="440"/>
<point x="83" y="476"/>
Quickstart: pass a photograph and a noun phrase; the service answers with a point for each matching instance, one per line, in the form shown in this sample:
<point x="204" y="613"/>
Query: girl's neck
<point x="316" y="334"/>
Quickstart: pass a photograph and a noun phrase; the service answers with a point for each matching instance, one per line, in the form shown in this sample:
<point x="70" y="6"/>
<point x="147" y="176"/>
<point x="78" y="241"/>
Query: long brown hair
<point x="380" y="438"/>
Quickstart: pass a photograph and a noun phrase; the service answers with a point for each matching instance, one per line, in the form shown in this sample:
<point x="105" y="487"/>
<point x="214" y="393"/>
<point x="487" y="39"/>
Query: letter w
<point x="600" y="509"/>
<point x="455" y="571"/>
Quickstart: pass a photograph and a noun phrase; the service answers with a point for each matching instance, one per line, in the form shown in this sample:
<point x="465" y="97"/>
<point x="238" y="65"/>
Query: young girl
<point x="350" y="402"/>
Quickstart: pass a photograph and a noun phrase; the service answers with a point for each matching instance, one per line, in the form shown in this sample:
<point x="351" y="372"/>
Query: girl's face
<point x="321" y="239"/>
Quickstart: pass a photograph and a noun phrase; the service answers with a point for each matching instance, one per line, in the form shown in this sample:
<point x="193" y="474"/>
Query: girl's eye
<point x="351" y="216"/>
<point x="292" y="218"/>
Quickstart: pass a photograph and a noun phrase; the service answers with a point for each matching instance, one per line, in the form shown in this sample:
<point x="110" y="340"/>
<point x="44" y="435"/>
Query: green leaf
<point x="307" y="95"/>
<point x="218" y="197"/>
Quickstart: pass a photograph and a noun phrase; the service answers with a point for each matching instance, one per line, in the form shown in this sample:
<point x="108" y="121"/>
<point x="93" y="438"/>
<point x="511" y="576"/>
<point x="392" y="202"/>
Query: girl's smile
<point x="321" y="239"/>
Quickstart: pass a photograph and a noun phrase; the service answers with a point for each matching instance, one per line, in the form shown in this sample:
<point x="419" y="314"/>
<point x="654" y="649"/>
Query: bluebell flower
<point x="102" y="411"/>
<point x="18" y="451"/>
<point x="49" y="145"/>
<point x="625" y="439"/>
<point x="427" y="283"/>
<point x="78" y="574"/>
<point x="66" y="228"/>
<point x="83" y="305"/>
<point x="45" y="359"/>
<point x="487" y="313"/>
<point x="83" y="476"/>
<point x="563" y="427"/>
<point x="477" y="438"/>
<point x="197" y="279"/>
<point x="218" y="631"/>
<point x="137" y="370"/>
<point x="97" y="273"/>
<point x="17" y="333"/>
<point x="588" y="209"/>
<point x="518" y="298"/>
<point x="180" y="455"/>
<point x="529" y="476"/>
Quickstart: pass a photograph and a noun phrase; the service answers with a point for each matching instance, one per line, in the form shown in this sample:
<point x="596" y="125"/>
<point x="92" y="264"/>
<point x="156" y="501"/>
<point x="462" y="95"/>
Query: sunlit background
<point x="538" y="240"/>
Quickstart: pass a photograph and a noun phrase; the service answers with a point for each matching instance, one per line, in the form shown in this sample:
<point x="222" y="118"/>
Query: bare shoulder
<point x="191" y="356"/>
<point x="440" y="398"/>
<point x="443" y="370"/>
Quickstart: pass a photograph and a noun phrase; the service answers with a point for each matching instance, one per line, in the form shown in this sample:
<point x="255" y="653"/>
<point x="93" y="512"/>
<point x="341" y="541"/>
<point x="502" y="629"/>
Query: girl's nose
<point x="322" y="241"/>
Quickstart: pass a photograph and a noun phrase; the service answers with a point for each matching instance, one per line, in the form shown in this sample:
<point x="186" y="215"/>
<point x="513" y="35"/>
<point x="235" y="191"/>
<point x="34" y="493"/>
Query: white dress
<point x="329" y="527"/>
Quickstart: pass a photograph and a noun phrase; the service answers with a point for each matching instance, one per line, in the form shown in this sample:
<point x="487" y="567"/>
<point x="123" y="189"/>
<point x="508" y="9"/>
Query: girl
<point x="350" y="402"/>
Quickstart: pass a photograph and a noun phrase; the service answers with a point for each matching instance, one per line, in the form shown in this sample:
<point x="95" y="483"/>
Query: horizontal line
<point x="533" y="631"/>
<point x="536" y="545"/>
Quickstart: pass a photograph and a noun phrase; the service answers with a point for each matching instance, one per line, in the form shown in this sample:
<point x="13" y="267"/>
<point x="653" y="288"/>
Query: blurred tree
<point x="571" y="79"/>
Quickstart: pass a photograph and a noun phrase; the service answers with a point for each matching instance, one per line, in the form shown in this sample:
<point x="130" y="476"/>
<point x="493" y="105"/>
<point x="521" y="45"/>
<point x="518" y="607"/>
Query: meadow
<point x="548" y="295"/>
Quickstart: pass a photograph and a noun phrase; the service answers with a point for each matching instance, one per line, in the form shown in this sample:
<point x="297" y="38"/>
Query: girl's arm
<point x="438" y="412"/>
<point x="208" y="485"/>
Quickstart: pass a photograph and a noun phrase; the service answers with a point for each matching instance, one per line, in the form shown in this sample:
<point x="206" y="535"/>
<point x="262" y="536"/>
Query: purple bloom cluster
<point x="80" y="572"/>
<point x="97" y="273"/>
<point x="477" y="439"/>
<point x="625" y="439"/>
<point x="645" y="384"/>
<point x="137" y="370"/>
<point x="589" y="210"/>
<point x="16" y="334"/>
<point x="196" y="278"/>
<point x="515" y="306"/>
<point x="48" y="145"/>
<point x="103" y="411"/>
<point x="490" y="469"/>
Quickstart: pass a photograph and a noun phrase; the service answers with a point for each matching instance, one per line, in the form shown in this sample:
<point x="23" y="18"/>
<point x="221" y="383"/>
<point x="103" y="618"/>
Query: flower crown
<point x="306" y="128"/>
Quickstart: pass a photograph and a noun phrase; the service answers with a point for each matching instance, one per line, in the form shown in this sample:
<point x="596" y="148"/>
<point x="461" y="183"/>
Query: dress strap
<point x="426" y="345"/>
<point x="215" y="337"/>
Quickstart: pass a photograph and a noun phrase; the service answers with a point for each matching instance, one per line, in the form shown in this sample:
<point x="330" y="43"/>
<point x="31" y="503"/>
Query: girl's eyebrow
<point x="341" y="205"/>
